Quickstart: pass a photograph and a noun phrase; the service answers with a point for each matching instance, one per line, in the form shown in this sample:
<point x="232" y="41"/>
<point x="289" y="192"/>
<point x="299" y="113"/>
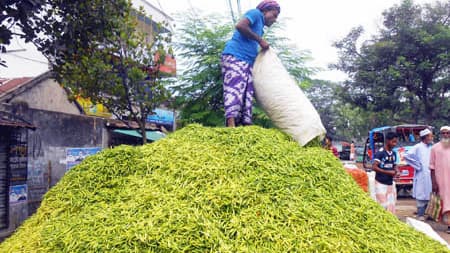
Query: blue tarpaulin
<point x="151" y="135"/>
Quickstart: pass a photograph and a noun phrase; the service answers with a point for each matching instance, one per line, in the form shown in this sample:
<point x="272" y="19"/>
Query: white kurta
<point x="419" y="158"/>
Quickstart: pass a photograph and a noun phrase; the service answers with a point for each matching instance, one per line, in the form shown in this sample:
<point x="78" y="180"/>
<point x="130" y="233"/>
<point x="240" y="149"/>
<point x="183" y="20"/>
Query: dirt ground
<point x="407" y="206"/>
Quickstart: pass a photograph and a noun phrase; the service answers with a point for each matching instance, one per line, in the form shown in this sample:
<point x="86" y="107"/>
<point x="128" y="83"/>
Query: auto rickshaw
<point x="408" y="136"/>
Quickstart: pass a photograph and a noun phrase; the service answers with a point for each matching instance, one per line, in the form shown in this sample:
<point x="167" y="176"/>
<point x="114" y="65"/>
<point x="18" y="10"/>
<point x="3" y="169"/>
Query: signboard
<point x="162" y="117"/>
<point x="18" y="157"/>
<point x="93" y="109"/>
<point x="401" y="154"/>
<point x="75" y="156"/>
<point x="169" y="66"/>
<point x="19" y="170"/>
<point x="17" y="194"/>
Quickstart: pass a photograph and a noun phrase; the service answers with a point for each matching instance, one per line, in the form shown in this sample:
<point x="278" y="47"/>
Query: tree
<point x="405" y="68"/>
<point x="340" y="119"/>
<point x="95" y="51"/>
<point x="20" y="13"/>
<point x="60" y="28"/>
<point x="321" y="94"/>
<point x="353" y="123"/>
<point x="200" y="42"/>
<point x="122" y="73"/>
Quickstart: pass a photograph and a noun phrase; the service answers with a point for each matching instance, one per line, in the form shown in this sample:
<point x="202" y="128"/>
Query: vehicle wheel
<point x="404" y="190"/>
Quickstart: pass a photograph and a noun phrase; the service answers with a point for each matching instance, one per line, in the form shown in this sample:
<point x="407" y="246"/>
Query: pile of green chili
<point x="213" y="190"/>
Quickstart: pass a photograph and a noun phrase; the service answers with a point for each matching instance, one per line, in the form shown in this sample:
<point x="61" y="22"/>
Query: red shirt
<point x="334" y="150"/>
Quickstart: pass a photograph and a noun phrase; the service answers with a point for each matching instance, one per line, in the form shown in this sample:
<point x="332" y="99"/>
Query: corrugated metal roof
<point x="114" y="123"/>
<point x="15" y="88"/>
<point x="9" y="123"/>
<point x="10" y="120"/>
<point x="9" y="84"/>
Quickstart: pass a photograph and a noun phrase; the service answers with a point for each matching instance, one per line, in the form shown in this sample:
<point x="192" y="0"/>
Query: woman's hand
<point x="263" y="44"/>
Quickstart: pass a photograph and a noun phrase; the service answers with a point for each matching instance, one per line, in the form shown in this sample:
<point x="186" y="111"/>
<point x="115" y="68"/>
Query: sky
<point x="311" y="25"/>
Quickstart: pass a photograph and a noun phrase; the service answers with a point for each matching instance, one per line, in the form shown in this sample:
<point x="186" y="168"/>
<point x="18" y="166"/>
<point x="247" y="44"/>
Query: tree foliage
<point x="199" y="44"/>
<point x="95" y="51"/>
<point x="404" y="70"/>
<point x="341" y="118"/>
<point x="20" y="14"/>
<point x="61" y="28"/>
<point x="322" y="95"/>
<point x="122" y="73"/>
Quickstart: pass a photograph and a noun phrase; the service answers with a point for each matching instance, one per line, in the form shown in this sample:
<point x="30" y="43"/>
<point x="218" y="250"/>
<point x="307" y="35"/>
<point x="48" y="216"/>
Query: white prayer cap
<point x="445" y="128"/>
<point x="425" y="132"/>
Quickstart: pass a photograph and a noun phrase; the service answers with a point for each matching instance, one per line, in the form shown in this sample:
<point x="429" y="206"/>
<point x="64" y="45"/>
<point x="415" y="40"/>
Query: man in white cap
<point x="440" y="172"/>
<point x="419" y="158"/>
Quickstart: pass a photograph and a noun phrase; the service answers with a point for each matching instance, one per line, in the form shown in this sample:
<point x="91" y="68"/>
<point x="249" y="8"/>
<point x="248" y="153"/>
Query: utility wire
<point x="230" y="6"/>
<point x="160" y="7"/>
<point x="192" y="7"/>
<point x="239" y="8"/>
<point x="232" y="12"/>
<point x="29" y="59"/>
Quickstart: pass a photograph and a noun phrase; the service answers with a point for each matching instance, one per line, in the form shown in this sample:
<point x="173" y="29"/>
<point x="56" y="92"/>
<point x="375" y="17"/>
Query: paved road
<point x="407" y="206"/>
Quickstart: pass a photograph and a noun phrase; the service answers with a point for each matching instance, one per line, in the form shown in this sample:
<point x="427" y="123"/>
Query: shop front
<point x="13" y="170"/>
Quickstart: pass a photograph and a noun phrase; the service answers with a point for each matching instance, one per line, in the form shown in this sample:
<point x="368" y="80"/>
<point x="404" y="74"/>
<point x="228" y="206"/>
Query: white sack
<point x="283" y="101"/>
<point x="426" y="229"/>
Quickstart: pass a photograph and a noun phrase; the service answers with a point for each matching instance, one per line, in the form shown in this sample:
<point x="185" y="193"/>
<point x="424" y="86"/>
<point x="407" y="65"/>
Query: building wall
<point x="151" y="10"/>
<point x="47" y="153"/>
<point x="55" y="132"/>
<point x="47" y="95"/>
<point x="148" y="24"/>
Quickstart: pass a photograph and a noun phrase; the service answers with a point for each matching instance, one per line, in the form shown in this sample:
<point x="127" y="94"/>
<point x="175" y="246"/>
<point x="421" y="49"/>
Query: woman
<point x="237" y="60"/>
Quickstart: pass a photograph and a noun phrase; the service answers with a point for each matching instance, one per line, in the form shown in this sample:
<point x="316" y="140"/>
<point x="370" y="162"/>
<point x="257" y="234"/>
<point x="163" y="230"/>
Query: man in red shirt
<point x="329" y="145"/>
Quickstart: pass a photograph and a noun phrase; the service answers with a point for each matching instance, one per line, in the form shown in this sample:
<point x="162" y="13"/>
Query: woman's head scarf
<point x="268" y="5"/>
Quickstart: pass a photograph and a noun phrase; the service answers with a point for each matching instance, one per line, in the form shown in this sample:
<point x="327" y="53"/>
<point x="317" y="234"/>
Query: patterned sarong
<point x="237" y="89"/>
<point x="386" y="196"/>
